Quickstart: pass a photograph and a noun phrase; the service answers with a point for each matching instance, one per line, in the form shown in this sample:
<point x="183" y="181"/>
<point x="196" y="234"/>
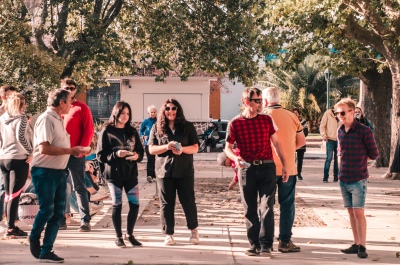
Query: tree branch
<point x="61" y="26"/>
<point x="112" y="13"/>
<point x="364" y="9"/>
<point x="354" y="31"/>
<point x="39" y="32"/>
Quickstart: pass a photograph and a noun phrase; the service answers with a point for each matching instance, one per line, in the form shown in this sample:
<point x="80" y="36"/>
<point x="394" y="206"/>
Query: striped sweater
<point x="16" y="137"/>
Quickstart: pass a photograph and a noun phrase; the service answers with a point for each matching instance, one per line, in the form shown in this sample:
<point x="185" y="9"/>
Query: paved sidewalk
<point x="223" y="243"/>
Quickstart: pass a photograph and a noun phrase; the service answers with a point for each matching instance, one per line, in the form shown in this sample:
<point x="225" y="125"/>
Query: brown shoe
<point x="286" y="247"/>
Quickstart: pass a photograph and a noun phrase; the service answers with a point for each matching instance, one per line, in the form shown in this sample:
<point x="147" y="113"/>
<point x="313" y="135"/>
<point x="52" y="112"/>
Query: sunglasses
<point x="256" y="100"/>
<point x="171" y="108"/>
<point x="69" y="88"/>
<point x="342" y="113"/>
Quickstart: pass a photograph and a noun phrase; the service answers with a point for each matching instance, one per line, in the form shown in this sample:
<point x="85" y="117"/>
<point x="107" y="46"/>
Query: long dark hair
<point x="162" y="121"/>
<point x="116" y="112"/>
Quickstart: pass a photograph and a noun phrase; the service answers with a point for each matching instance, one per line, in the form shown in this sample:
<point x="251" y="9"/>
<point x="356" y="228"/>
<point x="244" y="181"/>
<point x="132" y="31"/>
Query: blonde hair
<point x="15" y="104"/>
<point x="346" y="101"/>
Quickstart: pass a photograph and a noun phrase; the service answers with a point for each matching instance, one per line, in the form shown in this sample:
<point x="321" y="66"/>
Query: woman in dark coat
<point x="174" y="141"/>
<point x="119" y="149"/>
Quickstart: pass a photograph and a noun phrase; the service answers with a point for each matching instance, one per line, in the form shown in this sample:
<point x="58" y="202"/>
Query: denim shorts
<point x="354" y="193"/>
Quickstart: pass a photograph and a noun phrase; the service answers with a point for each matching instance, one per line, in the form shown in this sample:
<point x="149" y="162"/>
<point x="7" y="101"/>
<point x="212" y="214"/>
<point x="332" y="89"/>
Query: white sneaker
<point x="195" y="237"/>
<point x="98" y="197"/>
<point x="169" y="240"/>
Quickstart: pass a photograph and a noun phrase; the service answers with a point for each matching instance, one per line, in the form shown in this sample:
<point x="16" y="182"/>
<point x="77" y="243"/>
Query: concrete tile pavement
<point x="225" y="244"/>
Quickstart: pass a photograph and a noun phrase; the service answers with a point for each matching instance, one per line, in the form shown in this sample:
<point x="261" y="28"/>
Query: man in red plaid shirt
<point x="356" y="144"/>
<point x="253" y="132"/>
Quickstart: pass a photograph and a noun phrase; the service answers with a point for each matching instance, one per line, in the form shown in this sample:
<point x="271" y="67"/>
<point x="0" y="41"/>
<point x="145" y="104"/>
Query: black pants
<point x="168" y="188"/>
<point x="14" y="173"/>
<point x="151" y="159"/>
<point x="260" y="181"/>
<point x="300" y="157"/>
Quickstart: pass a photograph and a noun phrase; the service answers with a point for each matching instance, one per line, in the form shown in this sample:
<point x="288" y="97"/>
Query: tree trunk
<point x="395" y="70"/>
<point x="375" y="103"/>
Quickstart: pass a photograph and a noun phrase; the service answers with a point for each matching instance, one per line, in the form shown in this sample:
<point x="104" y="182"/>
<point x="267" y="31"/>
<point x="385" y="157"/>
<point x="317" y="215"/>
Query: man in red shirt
<point x="253" y="133"/>
<point x="79" y="125"/>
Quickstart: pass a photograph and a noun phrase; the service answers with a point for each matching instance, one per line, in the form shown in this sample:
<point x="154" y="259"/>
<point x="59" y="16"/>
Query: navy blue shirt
<point x="354" y="148"/>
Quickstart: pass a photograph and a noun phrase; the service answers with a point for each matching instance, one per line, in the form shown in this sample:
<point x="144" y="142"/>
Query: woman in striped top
<point x="16" y="154"/>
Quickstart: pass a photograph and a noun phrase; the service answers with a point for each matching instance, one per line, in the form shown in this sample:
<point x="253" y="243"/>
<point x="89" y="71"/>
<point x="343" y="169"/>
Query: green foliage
<point x="217" y="37"/>
<point x="304" y="28"/>
<point x="89" y="40"/>
<point x="305" y="87"/>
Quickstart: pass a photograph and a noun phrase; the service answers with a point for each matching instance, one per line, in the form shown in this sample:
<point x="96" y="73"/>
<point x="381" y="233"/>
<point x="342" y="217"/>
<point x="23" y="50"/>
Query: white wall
<point x="231" y="98"/>
<point x="193" y="95"/>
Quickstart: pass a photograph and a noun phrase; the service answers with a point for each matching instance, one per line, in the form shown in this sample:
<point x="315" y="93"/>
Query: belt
<point x="261" y="162"/>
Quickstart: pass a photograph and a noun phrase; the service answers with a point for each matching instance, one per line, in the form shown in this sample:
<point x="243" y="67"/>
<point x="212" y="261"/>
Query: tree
<point x="356" y="35"/>
<point x="88" y="40"/>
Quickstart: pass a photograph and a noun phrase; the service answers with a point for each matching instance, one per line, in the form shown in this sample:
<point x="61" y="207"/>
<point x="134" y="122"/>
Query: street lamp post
<point x="328" y="77"/>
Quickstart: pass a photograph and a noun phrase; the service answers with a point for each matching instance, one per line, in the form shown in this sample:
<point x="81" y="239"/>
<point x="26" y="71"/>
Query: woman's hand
<point x="176" y="152"/>
<point x="133" y="156"/>
<point x="171" y="145"/>
<point x="122" y="153"/>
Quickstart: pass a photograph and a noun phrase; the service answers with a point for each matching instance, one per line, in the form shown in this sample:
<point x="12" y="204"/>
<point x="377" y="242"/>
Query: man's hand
<point x="237" y="162"/>
<point x="29" y="159"/>
<point x="285" y="174"/>
<point x="78" y="151"/>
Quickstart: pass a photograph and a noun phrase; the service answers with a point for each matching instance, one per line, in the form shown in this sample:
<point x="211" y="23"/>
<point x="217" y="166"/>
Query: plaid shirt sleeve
<point x="372" y="149"/>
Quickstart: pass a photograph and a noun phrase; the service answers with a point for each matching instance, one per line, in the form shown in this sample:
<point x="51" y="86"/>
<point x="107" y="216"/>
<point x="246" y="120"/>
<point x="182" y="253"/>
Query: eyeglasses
<point x="171" y="108"/>
<point x="69" y="88"/>
<point x="256" y="100"/>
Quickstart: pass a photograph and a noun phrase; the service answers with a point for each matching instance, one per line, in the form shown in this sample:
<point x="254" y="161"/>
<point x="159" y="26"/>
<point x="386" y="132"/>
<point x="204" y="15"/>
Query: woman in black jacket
<point x="174" y="141"/>
<point x="119" y="149"/>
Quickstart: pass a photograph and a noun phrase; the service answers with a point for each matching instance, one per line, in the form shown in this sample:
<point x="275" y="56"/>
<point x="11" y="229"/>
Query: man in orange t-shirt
<point x="291" y="137"/>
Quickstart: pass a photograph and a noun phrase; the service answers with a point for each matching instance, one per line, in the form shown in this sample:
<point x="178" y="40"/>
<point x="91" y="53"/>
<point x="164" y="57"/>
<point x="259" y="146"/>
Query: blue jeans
<point x="50" y="189"/>
<point x="354" y="193"/>
<point x="286" y="198"/>
<point x="76" y="167"/>
<point x="331" y="152"/>
<point x="260" y="181"/>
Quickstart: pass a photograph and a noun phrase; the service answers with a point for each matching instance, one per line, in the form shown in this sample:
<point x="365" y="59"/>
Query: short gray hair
<point x="221" y="158"/>
<point x="55" y="96"/>
<point x="272" y="94"/>
<point x="151" y="107"/>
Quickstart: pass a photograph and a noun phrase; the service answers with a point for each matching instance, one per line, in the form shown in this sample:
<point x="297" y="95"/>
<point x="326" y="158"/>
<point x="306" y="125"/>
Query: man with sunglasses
<point x="290" y="133"/>
<point x="328" y="129"/>
<point x="253" y="133"/>
<point x="79" y="125"/>
<point x="356" y="145"/>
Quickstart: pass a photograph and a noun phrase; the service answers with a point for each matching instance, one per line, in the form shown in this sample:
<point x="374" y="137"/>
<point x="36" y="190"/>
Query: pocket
<point x="36" y="172"/>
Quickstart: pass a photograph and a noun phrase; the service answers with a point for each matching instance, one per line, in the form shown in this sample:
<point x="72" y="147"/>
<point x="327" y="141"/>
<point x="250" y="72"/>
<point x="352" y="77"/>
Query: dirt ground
<point x="217" y="205"/>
